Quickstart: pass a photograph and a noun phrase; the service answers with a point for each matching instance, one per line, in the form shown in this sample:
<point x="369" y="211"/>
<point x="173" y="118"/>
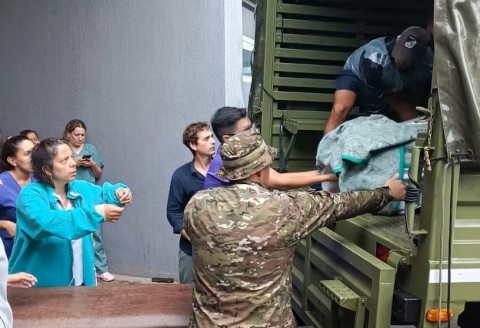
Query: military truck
<point x="373" y="271"/>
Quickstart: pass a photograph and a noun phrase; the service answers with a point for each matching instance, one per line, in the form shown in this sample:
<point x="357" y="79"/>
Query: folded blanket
<point x="366" y="151"/>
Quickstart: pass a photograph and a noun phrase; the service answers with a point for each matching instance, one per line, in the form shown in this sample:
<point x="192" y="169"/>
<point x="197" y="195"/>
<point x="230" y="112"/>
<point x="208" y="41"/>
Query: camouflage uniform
<point x="243" y="239"/>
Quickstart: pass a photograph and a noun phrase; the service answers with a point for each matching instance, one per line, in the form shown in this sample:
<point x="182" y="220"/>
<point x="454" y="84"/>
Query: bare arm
<point x="335" y="119"/>
<point x="342" y="105"/>
<point x="97" y="170"/>
<point x="285" y="181"/>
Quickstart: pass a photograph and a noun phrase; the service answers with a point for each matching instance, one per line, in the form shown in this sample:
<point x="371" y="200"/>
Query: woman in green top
<point x="89" y="168"/>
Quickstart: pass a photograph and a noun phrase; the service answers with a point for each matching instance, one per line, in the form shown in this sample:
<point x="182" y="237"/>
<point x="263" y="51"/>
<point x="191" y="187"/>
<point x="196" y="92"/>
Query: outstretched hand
<point x="397" y="187"/>
<point x="124" y="195"/>
<point x="110" y="213"/>
<point x="21" y="280"/>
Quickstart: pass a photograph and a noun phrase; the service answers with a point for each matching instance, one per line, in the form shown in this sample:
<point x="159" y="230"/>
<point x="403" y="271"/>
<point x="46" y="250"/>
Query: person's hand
<point x="110" y="213"/>
<point x="21" y="280"/>
<point x="397" y="187"/>
<point x="87" y="162"/>
<point x="124" y="195"/>
<point x="80" y="161"/>
<point x="10" y="227"/>
<point x="184" y="234"/>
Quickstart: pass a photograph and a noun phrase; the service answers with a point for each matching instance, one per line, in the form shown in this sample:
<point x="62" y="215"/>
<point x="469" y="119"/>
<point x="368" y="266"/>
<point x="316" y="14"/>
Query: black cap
<point x="411" y="45"/>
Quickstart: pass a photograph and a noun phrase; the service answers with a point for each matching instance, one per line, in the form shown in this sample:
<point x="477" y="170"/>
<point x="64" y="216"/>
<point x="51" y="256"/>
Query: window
<point x="248" y="40"/>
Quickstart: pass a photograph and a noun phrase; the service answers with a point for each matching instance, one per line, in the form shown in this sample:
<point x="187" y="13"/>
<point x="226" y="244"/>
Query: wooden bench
<point x="118" y="306"/>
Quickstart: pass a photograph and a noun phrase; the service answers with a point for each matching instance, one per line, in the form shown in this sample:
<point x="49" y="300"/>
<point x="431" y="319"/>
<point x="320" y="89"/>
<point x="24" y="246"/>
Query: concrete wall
<point x="137" y="72"/>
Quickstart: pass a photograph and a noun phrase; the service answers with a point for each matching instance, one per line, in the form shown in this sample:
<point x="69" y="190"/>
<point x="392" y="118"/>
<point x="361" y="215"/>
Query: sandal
<point x="106" y="276"/>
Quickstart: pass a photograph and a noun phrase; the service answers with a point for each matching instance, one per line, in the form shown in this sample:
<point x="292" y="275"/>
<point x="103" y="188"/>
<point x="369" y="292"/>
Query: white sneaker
<point x="106" y="276"/>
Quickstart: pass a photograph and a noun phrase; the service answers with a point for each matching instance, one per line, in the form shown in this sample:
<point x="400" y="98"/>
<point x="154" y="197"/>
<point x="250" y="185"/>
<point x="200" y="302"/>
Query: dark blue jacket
<point x="186" y="181"/>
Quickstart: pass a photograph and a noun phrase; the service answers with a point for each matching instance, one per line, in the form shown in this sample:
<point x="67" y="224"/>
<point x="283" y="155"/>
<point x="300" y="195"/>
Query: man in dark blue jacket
<point x="186" y="181"/>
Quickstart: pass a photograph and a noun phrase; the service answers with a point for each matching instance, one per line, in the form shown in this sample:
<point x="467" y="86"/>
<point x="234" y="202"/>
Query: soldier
<point x="243" y="236"/>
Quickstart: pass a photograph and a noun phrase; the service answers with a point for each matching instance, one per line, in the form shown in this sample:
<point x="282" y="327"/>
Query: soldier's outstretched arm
<point x="317" y="209"/>
<point x="286" y="181"/>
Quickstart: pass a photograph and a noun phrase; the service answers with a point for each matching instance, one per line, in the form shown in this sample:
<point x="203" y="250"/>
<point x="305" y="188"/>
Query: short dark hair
<point x="72" y="125"/>
<point x="224" y="119"/>
<point x="42" y="157"/>
<point x="10" y="149"/>
<point x="190" y="134"/>
<point x="26" y="132"/>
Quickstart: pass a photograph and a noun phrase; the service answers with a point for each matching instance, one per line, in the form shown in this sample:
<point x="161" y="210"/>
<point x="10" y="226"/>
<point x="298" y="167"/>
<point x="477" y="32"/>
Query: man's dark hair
<point x="190" y="134"/>
<point x="42" y="157"/>
<point x="224" y="119"/>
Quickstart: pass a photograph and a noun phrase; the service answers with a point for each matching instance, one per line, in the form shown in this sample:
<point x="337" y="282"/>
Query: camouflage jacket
<point x="243" y="239"/>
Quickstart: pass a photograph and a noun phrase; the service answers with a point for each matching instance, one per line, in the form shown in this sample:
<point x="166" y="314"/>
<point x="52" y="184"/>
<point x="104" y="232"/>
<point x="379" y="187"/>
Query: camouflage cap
<point x="244" y="154"/>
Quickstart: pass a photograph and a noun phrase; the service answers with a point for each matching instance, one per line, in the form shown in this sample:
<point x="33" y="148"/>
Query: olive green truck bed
<point x="368" y="271"/>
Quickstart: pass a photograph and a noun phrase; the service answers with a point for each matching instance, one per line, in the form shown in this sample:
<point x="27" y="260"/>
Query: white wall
<point x="233" y="53"/>
<point x="137" y="72"/>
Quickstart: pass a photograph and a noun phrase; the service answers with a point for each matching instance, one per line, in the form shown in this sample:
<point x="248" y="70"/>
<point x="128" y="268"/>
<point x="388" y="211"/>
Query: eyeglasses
<point x="249" y="127"/>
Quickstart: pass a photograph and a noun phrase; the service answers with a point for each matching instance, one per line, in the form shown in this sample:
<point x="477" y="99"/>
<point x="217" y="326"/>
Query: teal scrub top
<point x="85" y="173"/>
